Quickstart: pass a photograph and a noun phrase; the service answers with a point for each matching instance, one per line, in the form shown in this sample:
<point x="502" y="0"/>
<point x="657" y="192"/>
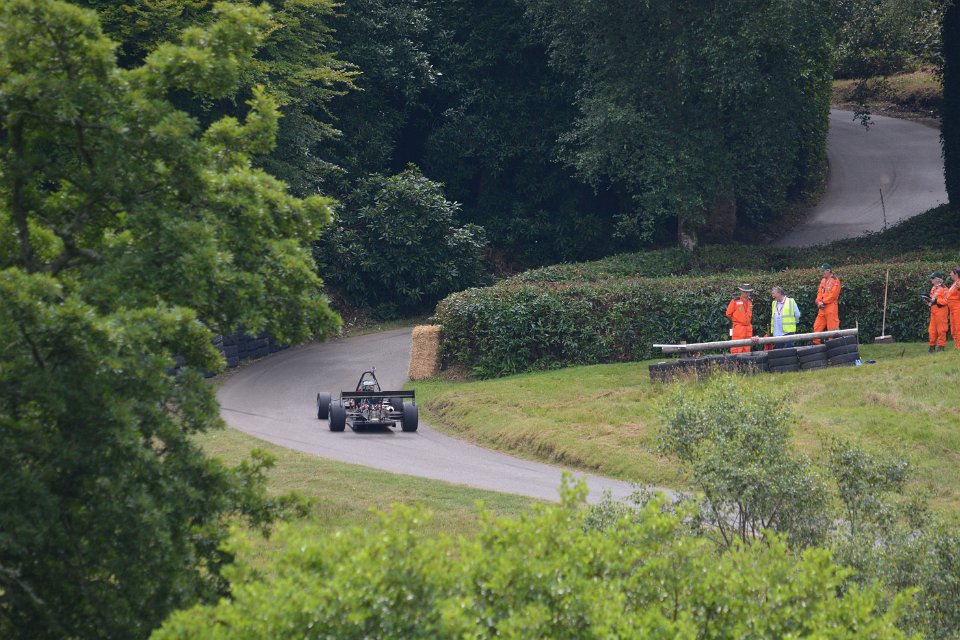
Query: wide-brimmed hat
<point x="745" y="288"/>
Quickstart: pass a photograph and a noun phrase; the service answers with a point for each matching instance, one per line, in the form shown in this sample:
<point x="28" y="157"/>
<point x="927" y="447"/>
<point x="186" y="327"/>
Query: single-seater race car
<point x="369" y="406"/>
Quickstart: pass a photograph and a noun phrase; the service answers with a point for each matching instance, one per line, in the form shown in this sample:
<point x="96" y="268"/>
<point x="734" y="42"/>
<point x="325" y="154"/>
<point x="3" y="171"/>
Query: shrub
<point x="520" y="326"/>
<point x="544" y="575"/>
<point x="733" y="439"/>
<point x="393" y="245"/>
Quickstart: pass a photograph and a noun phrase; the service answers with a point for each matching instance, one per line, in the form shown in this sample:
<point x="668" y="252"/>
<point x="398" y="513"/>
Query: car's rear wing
<point x="377" y="394"/>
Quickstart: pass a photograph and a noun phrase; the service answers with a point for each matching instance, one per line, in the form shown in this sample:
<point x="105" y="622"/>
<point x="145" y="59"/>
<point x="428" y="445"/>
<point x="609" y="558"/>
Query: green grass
<point x="605" y="418"/>
<point x="343" y="495"/>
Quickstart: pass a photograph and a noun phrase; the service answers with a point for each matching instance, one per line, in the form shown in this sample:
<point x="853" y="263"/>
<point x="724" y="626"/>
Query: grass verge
<point x="915" y="95"/>
<point x="605" y="418"/>
<point x="343" y="495"/>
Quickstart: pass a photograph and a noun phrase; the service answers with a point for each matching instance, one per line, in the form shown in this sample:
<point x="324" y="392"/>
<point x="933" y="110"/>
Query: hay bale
<point x="425" y="352"/>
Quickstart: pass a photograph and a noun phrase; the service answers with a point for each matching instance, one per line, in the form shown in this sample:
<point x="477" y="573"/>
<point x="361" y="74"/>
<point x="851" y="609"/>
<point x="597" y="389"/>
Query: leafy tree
<point x="295" y="64"/>
<point x="392" y="43"/>
<point x="545" y="575"/>
<point x="950" y="120"/>
<point x="393" y="245"/>
<point x="128" y="230"/>
<point x="880" y="37"/>
<point x="696" y="109"/>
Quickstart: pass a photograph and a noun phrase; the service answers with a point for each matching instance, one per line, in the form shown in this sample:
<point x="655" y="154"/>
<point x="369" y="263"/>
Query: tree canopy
<point x="129" y="228"/>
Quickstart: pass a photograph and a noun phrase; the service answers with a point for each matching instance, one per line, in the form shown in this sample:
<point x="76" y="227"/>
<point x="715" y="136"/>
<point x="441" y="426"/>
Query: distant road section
<point x="274" y="400"/>
<point x="898" y="156"/>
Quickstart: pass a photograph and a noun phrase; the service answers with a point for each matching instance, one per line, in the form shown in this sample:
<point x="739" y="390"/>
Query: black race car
<point x="369" y="406"/>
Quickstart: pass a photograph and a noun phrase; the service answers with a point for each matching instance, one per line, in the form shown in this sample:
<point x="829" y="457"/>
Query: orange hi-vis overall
<point x="938" y="316"/>
<point x="828" y="318"/>
<point x="740" y="312"/>
<point x="953" y="304"/>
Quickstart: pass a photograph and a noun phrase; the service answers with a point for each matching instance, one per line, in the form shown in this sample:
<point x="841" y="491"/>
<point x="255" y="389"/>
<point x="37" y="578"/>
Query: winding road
<point x="273" y="399"/>
<point x="899" y="158"/>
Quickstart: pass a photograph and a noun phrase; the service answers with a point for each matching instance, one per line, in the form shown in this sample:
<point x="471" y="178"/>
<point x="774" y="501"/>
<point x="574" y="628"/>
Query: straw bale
<point x="425" y="352"/>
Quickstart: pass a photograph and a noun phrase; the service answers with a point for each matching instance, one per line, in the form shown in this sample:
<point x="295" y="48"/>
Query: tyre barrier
<point x="840" y="352"/>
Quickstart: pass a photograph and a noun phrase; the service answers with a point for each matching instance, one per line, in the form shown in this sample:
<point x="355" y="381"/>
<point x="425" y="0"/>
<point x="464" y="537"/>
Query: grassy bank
<point x="918" y="93"/>
<point x="604" y="418"/>
<point x="342" y="495"/>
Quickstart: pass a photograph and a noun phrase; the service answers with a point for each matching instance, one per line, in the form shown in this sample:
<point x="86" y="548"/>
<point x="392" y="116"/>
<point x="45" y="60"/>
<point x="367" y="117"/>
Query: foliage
<point x="464" y="90"/>
<point x="393" y="245"/>
<point x="542" y="575"/>
<point x="694" y="107"/>
<point x="950" y="133"/>
<point x="111" y="517"/>
<point x="129" y="230"/>
<point x="732" y="436"/>
<point x="890" y="538"/>
<point x="515" y="327"/>
<point x="733" y="439"/>
<point x="881" y="37"/>
<point x="294" y="64"/>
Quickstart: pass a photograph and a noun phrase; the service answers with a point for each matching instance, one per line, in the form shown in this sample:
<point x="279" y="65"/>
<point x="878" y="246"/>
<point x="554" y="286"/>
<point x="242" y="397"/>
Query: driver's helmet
<point x="368" y="383"/>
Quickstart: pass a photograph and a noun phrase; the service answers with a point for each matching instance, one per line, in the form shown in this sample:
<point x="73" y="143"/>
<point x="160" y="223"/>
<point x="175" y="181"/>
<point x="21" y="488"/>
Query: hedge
<point x="520" y="326"/>
<point x="931" y="236"/>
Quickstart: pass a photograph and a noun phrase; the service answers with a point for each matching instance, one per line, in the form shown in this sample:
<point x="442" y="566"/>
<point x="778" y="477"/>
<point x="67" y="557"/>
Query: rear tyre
<point x="323" y="405"/>
<point x="338" y="417"/>
<point x="411" y="417"/>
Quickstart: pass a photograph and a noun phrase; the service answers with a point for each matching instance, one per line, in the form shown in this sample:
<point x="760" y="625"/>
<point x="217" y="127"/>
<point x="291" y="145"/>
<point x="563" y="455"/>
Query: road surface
<point x="899" y="157"/>
<point x="274" y="400"/>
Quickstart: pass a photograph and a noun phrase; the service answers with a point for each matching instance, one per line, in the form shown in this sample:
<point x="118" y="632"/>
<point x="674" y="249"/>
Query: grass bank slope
<point x="342" y="495"/>
<point x="605" y="418"/>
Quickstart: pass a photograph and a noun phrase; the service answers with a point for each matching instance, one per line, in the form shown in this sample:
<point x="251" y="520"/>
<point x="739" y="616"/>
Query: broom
<point x="884" y="338"/>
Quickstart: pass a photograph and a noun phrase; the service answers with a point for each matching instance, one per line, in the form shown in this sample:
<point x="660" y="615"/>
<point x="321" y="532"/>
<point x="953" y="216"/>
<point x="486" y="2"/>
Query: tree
<point x="394" y="247"/>
<point x="698" y="110"/>
<point x="544" y="575"/>
<point x="950" y="120"/>
<point x="294" y="62"/>
<point x="129" y="230"/>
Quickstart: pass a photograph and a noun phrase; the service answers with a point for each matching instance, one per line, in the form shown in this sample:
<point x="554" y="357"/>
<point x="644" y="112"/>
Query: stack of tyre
<point x="843" y="351"/>
<point x="753" y="362"/>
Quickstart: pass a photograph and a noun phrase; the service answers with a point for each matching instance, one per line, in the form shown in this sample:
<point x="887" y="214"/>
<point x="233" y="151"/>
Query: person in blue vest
<point x="784" y="316"/>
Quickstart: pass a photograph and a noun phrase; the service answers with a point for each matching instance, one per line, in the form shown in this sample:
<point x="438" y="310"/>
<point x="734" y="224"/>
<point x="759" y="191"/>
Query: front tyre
<point x="411" y="418"/>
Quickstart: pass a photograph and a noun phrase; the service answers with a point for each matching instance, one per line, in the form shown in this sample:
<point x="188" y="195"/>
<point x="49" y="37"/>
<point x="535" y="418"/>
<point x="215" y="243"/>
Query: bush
<point x="522" y="326"/>
<point x="544" y="575"/>
<point x="734" y="440"/>
<point x="394" y="247"/>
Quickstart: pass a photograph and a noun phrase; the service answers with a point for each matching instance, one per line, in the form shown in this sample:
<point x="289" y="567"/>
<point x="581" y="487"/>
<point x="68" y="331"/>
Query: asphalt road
<point x="274" y="400"/>
<point x="898" y="156"/>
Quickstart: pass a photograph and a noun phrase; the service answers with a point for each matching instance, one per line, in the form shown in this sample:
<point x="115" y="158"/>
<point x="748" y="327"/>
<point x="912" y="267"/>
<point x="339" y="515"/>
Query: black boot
<point x="940" y="348"/>
<point x="932" y="349"/>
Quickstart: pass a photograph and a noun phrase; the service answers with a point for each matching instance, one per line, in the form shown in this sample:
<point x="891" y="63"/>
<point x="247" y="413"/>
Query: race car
<point x="369" y="406"/>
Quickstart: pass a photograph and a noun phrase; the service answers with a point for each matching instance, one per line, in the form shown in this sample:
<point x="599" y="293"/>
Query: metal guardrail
<point x="726" y="344"/>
